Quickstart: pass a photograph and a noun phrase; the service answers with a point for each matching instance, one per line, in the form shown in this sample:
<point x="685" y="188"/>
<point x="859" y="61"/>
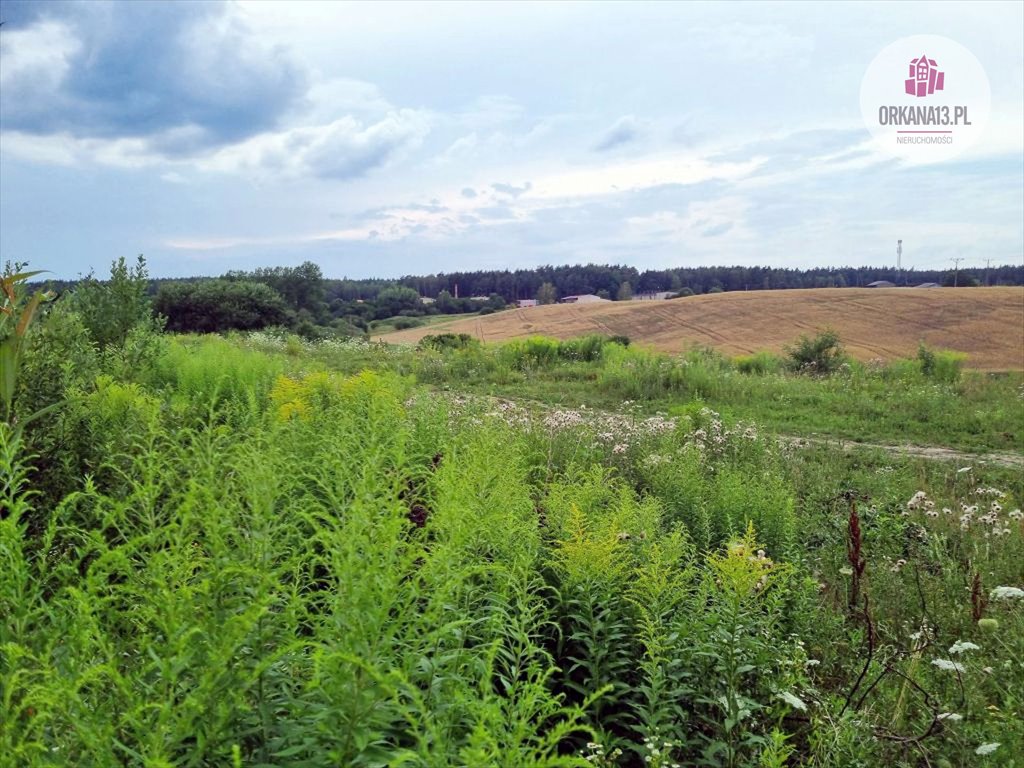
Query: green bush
<point x="940" y="365"/>
<point x="111" y="309"/>
<point x="533" y="352"/>
<point x="215" y="306"/>
<point x="403" y="323"/>
<point x="821" y="355"/>
<point x="443" y="341"/>
<point x="584" y="349"/>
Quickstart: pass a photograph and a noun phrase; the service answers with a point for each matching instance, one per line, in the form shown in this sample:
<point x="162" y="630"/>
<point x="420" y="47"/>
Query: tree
<point x="396" y="299"/>
<point x="547" y="294"/>
<point x="445" y="304"/>
<point x="111" y="309"/>
<point x="625" y="292"/>
<point x="213" y="306"/>
<point x="301" y="287"/>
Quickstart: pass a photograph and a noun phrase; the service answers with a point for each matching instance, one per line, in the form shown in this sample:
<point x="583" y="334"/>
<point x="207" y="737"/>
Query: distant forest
<point x="608" y="279"/>
<point x="597" y="278"/>
<point x="302" y="300"/>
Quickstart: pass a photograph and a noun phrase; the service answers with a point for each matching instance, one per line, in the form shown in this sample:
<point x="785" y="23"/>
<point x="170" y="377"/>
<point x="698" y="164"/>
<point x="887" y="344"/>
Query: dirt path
<point x="936" y="453"/>
<point x="931" y="452"/>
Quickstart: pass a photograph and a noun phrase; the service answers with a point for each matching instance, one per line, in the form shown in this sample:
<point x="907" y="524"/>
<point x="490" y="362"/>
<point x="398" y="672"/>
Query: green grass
<point x="261" y="551"/>
<point x="380" y="327"/>
<point x="888" y="404"/>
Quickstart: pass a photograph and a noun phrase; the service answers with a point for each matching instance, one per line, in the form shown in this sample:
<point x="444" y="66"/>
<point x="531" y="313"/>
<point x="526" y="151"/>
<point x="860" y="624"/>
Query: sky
<point x="385" y="139"/>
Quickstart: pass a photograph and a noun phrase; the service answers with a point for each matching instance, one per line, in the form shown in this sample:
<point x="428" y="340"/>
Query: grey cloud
<point x="511" y="189"/>
<point x="186" y="75"/>
<point x="469" y="192"/>
<point x="624" y="131"/>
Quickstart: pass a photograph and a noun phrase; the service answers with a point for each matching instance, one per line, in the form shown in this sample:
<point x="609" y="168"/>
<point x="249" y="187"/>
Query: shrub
<point x="941" y="365"/>
<point x="402" y="323"/>
<point x="214" y="306"/>
<point x="111" y="309"/>
<point x="818" y="356"/>
<point x="443" y="341"/>
<point x="534" y="352"/>
<point x="583" y="349"/>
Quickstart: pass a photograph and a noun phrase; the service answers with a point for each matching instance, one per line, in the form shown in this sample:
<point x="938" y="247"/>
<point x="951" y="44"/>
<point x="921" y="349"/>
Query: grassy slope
<point x="985" y="323"/>
<point x="426" y="321"/>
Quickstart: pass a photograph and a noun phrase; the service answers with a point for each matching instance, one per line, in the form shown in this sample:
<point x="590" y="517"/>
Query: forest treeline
<point x="301" y="299"/>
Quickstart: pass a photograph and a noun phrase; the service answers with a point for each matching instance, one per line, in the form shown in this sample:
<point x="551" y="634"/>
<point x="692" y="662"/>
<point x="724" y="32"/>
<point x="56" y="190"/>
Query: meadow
<point x="257" y="550"/>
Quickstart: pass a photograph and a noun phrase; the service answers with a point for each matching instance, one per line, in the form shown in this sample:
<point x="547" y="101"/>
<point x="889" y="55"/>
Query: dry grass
<point x="985" y="323"/>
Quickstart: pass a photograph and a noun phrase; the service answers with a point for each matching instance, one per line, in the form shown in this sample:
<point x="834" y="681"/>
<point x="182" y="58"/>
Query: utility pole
<point x="988" y="262"/>
<point x="899" y="258"/>
<point x="956" y="272"/>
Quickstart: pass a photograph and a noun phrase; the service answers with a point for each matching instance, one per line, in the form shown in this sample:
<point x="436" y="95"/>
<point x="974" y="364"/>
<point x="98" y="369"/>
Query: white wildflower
<point x="963" y="645"/>
<point x="987" y="749"/>
<point x="916" y="500"/>
<point x="951" y="716"/>
<point x="947" y="665"/>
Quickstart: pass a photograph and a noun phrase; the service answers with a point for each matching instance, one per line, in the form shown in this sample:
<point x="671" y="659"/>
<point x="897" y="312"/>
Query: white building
<point x="653" y="296"/>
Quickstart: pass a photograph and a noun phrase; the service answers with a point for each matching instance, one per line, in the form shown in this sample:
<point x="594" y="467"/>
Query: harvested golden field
<point x="985" y="323"/>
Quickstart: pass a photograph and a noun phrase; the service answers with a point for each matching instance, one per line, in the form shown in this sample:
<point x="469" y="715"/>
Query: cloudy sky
<point x="386" y="139"/>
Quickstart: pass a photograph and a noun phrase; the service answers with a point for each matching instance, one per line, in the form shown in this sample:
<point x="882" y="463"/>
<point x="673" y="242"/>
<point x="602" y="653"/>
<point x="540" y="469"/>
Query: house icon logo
<point x="925" y="78"/>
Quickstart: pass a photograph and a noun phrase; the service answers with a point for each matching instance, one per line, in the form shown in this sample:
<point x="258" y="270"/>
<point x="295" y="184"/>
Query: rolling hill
<point x="985" y="323"/>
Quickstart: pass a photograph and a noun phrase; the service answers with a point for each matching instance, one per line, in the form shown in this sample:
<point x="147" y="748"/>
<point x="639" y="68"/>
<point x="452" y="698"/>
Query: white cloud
<point x="39" y="53"/>
<point x="343" y="149"/>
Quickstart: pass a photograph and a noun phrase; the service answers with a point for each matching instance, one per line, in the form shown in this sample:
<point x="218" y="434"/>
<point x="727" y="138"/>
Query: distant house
<point x="653" y="295"/>
<point x="479" y="298"/>
<point x="881" y="284"/>
<point x="928" y="285"/>
<point x="524" y="303"/>
<point x="583" y="298"/>
<point x="426" y="300"/>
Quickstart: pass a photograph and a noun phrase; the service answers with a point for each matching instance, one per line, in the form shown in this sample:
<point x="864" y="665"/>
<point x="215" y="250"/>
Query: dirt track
<point x="985" y="323"/>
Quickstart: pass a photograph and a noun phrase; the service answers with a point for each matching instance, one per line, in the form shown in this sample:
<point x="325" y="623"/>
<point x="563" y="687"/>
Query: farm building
<point x="583" y="298"/>
<point x="653" y="296"/>
<point x="524" y="303"/>
<point x="881" y="284"/>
